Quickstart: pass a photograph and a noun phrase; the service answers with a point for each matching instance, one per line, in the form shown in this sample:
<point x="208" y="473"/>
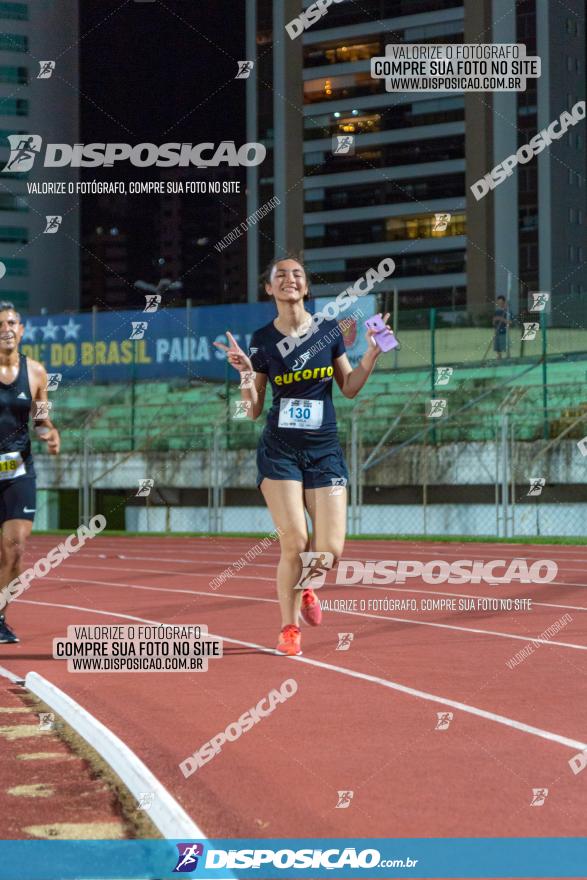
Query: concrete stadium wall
<point x="405" y="519"/>
<point x="449" y="464"/>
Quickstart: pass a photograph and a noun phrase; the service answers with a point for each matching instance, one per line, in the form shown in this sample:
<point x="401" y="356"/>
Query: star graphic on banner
<point x="71" y="329"/>
<point x="50" y="330"/>
<point x="29" y="331"/>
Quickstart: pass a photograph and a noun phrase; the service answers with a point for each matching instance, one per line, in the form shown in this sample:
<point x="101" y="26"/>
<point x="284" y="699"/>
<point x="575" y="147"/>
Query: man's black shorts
<point x="315" y="466"/>
<point x="18" y="498"/>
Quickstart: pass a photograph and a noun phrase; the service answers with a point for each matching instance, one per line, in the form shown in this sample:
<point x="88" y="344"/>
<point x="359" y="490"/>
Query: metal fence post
<point x="496" y="446"/>
<point x="354" y="472"/>
<point x="545" y="429"/>
<point x="133" y="399"/>
<point x="94" y="325"/>
<point x="188" y="322"/>
<point x="395" y="323"/>
<point x="432" y="361"/>
<point x="86" y="481"/>
<point x="512" y="441"/>
<point x="505" y="488"/>
<point x="210" y="483"/>
<point x="216" y="489"/>
<point x="425" y="484"/>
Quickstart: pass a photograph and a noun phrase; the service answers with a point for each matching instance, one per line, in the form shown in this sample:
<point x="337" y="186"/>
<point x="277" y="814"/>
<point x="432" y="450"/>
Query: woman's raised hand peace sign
<point x="234" y="354"/>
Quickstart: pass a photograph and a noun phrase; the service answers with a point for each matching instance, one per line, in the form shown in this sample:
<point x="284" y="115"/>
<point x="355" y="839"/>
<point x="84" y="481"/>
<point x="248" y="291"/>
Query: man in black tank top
<point x="23" y="393"/>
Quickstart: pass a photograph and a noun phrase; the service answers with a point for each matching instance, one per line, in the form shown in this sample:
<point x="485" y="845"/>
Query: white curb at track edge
<point x="170" y="819"/>
<point x="166" y="814"/>
<point x="6" y="673"/>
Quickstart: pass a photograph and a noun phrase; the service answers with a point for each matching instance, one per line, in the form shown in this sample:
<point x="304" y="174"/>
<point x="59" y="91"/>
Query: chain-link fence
<point x="495" y="464"/>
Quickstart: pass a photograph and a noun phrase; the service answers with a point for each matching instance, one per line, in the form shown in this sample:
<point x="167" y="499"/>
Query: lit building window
<point x="343" y="86"/>
<point x="422" y="226"/>
<point x="360" y="52"/>
<point x="350" y="124"/>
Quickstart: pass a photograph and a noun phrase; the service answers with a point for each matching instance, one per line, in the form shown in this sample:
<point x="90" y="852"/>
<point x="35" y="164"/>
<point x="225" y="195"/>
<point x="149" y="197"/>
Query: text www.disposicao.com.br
<point x="135" y="664"/>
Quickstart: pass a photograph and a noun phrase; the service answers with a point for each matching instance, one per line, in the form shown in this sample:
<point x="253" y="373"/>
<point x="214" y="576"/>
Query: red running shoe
<point x="311" y="609"/>
<point x="290" y="641"/>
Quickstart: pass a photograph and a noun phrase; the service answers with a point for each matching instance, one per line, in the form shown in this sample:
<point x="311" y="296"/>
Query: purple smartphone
<point x="385" y="340"/>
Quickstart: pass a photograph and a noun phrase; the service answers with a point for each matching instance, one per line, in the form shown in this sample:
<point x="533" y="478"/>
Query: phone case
<point x="385" y="341"/>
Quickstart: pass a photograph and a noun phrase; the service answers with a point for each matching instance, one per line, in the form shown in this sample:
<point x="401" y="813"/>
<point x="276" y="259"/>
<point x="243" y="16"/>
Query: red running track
<point x="362" y="720"/>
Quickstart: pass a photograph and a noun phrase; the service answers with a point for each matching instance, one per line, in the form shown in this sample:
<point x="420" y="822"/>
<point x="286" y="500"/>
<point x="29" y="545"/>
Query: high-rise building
<point x="191" y="229"/>
<point x="41" y="269"/>
<point x="529" y="234"/>
<point x="415" y="155"/>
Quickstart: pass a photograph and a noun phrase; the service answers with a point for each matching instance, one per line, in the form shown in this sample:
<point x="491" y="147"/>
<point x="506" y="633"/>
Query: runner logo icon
<point x="152" y="302"/>
<point x="338" y="485"/>
<point x="540" y="301"/>
<point x="23" y="151"/>
<point x="53" y="223"/>
<point x="245" y="69"/>
<point x="343" y="145"/>
<point x="444" y="719"/>
<point x="301" y="361"/>
<point x="145" y="487"/>
<point x="187" y="860"/>
<point x="344" y="641"/>
<point x="145" y="801"/>
<point x="537" y="484"/>
<point x="46" y="720"/>
<point x="138" y="329"/>
<point x="46" y="69"/>
<point x="314" y="568"/>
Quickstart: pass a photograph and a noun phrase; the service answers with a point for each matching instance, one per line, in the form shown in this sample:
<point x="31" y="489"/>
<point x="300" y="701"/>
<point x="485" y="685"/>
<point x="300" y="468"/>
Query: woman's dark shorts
<point x="315" y="466"/>
<point x="18" y="498"/>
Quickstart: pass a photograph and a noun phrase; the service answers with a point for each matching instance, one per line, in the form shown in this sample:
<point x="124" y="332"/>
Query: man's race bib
<point x="11" y="465"/>
<point x="305" y="414"/>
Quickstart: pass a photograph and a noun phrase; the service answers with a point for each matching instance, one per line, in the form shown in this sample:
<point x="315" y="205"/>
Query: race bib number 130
<point x="304" y="414"/>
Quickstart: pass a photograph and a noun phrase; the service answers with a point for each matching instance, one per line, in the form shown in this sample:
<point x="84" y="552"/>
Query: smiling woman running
<point x="299" y="455"/>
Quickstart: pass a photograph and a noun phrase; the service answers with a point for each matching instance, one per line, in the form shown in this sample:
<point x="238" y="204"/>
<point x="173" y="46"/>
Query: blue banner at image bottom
<point x="285" y="858"/>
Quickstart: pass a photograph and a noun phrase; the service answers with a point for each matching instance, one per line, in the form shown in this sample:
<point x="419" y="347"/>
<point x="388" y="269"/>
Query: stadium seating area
<point x="165" y="416"/>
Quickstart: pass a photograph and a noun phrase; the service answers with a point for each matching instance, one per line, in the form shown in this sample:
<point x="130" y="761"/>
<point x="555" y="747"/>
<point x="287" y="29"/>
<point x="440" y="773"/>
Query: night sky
<point x="145" y="66"/>
<point x="155" y="72"/>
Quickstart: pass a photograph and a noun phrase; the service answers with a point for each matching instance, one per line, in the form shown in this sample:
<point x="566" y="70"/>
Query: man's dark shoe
<point x="7" y="636"/>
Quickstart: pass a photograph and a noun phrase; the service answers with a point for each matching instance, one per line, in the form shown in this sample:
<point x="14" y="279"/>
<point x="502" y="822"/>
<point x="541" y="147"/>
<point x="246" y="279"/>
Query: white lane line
<point x="6" y="673"/>
<point x="465" y="629"/>
<point x="459" y="595"/>
<point x="367" y="557"/>
<point x="362" y="676"/>
<point x="370" y="549"/>
<point x="72" y="563"/>
<point x="166" y="814"/>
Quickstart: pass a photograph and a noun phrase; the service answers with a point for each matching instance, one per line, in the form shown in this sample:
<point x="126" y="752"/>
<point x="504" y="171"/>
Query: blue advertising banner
<point x="163" y="344"/>
<point x="114" y="346"/>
